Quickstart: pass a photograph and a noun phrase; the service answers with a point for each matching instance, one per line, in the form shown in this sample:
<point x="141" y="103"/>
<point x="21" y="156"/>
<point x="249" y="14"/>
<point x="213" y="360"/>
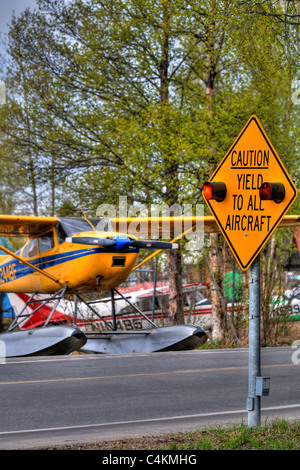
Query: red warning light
<point x="215" y="190"/>
<point x="207" y="190"/>
<point x="272" y="192"/>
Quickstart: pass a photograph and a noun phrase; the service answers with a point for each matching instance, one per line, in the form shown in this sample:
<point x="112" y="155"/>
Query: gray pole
<point x="113" y="308"/>
<point x="253" y="401"/>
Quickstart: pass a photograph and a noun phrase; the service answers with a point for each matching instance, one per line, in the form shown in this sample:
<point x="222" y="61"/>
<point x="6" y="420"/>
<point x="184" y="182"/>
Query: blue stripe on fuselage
<point x="15" y="269"/>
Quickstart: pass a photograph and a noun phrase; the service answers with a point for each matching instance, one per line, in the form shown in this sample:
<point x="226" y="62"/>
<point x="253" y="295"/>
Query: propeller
<point x="154" y="245"/>
<point x="121" y="242"/>
<point x="105" y="242"/>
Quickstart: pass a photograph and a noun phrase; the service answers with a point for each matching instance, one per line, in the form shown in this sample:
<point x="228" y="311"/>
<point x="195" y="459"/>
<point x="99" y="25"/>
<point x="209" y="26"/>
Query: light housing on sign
<point x="215" y="190"/>
<point x="272" y="192"/>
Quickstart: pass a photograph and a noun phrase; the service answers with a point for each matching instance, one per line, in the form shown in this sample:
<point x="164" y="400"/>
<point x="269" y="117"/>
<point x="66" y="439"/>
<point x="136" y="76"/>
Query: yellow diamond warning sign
<point x="249" y="193"/>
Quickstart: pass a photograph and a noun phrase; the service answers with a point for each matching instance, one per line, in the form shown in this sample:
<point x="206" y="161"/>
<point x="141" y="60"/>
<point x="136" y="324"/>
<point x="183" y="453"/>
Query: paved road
<point x="59" y="400"/>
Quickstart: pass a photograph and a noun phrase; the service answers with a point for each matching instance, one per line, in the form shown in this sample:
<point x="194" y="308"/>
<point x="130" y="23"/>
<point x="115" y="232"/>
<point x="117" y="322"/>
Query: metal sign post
<point x="258" y="386"/>
<point x="253" y="401"/>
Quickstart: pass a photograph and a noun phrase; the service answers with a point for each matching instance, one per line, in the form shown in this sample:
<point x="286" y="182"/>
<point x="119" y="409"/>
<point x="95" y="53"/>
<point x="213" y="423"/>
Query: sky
<point x="7" y="7"/>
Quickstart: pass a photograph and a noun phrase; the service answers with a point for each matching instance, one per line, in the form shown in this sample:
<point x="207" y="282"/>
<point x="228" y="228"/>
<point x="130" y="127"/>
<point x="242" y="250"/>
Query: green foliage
<point x="278" y="435"/>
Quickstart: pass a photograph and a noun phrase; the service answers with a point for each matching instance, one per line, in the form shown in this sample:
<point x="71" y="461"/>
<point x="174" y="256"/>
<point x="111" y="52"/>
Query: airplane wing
<point x="160" y="227"/>
<point x="163" y="290"/>
<point x="289" y="221"/>
<point x="163" y="226"/>
<point x="24" y="226"/>
<point x="172" y="227"/>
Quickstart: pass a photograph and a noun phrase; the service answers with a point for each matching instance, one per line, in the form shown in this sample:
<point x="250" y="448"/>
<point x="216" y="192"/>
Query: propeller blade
<point x="121" y="242"/>
<point x="105" y="242"/>
<point x="154" y="245"/>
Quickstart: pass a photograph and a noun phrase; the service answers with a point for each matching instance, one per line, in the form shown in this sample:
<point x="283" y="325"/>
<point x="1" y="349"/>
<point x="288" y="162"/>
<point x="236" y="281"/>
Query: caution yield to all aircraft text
<point x="247" y="208"/>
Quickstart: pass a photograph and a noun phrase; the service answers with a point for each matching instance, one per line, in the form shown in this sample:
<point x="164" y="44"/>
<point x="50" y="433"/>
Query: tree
<point x="112" y="95"/>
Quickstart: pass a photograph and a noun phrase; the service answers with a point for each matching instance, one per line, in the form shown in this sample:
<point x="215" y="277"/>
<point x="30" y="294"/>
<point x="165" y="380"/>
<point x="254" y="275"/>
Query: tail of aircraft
<point x="35" y="314"/>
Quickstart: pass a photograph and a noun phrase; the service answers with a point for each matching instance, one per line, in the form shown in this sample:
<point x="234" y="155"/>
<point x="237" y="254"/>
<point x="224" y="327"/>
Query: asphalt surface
<point x="85" y="398"/>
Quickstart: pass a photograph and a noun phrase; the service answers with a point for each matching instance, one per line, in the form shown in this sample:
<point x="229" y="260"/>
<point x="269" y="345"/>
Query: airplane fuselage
<point x="83" y="268"/>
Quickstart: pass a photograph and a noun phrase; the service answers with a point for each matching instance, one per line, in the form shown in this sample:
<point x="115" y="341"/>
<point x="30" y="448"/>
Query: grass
<point x="278" y="435"/>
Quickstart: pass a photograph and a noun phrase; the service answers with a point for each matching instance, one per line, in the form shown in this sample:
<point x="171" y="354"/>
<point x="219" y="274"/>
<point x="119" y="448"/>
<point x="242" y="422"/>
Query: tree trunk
<point x="52" y="185"/>
<point x="31" y="168"/>
<point x="175" y="313"/>
<point x="214" y="262"/>
<point x="219" y="317"/>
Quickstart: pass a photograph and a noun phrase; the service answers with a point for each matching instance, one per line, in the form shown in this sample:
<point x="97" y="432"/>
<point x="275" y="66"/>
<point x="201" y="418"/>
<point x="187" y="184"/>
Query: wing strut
<point x="23" y="260"/>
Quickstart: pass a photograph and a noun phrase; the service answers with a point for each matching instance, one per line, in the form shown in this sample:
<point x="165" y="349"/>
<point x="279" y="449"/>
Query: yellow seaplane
<point x="66" y="257"/>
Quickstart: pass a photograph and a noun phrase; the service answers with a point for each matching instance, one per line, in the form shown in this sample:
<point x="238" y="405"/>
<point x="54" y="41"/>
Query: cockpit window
<point x="25" y="251"/>
<point x="46" y="242"/>
<point x="60" y="234"/>
<point x="71" y="226"/>
<point x="33" y="248"/>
